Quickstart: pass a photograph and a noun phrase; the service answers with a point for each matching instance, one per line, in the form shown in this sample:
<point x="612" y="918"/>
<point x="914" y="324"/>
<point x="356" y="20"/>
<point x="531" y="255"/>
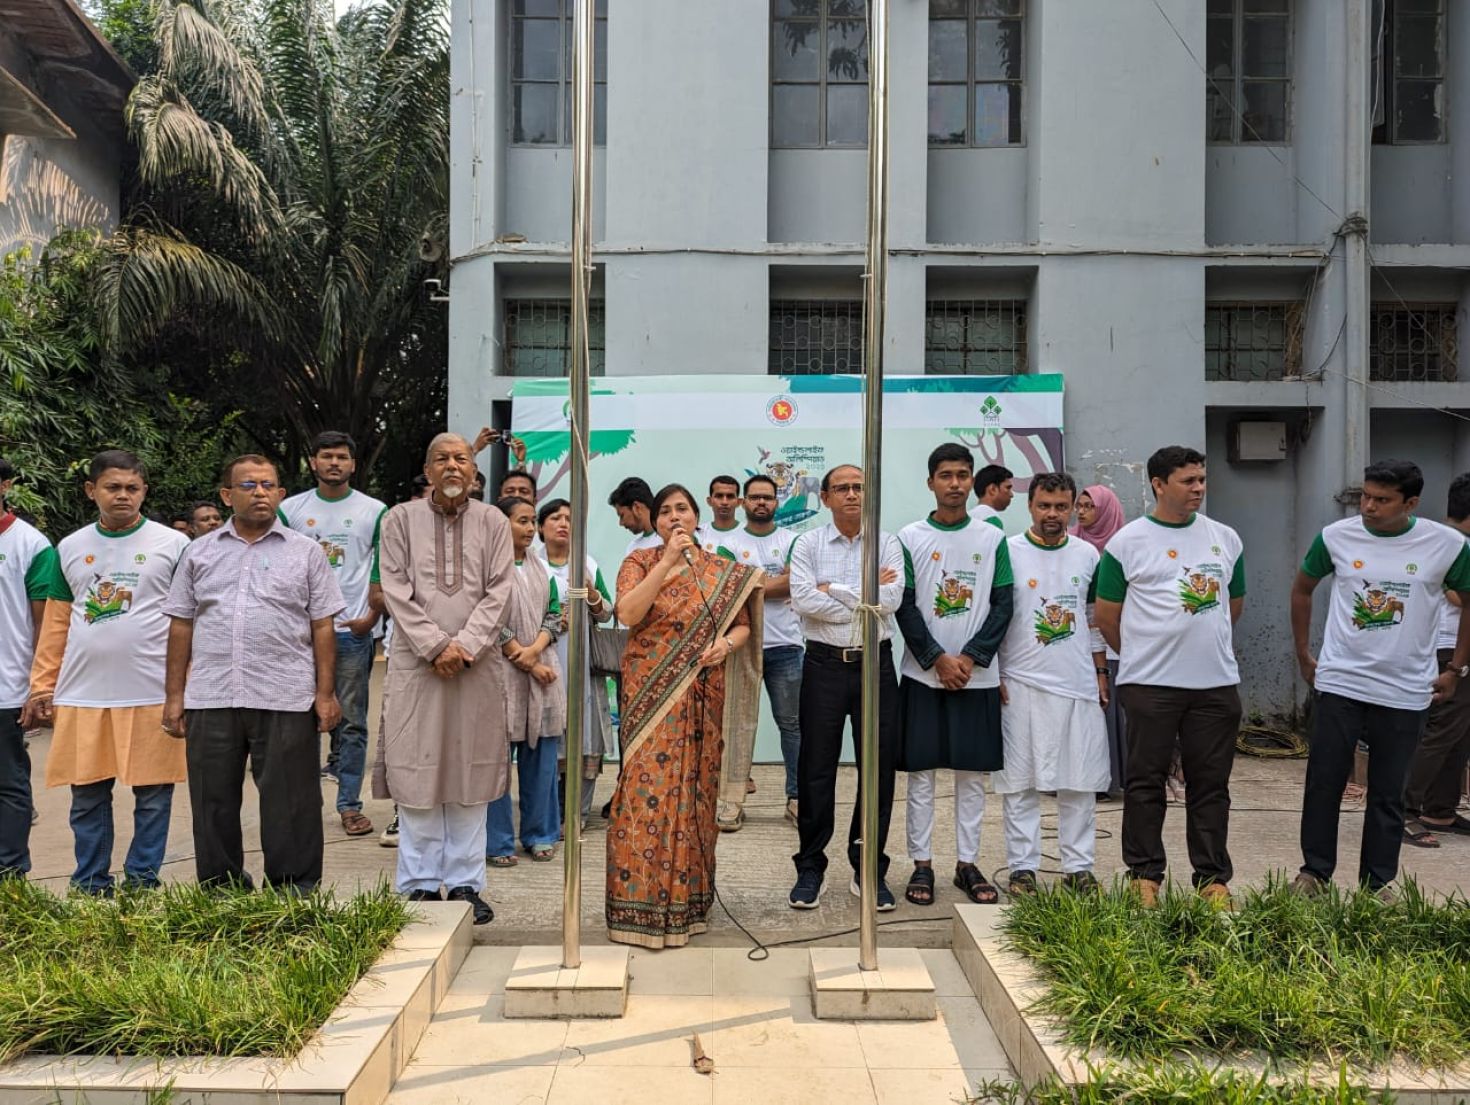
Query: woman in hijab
<point x="1099" y="516"/>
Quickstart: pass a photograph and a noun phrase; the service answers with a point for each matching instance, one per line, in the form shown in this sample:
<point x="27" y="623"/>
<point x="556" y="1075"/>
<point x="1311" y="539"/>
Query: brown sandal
<point x="355" y="824"/>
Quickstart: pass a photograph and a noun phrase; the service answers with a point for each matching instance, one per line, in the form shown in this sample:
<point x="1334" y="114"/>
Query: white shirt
<point x="710" y="539"/>
<point x="346" y="529"/>
<point x="118" y="636"/>
<point x="1047" y="645"/>
<point x="952" y="570"/>
<point x="825" y="556"/>
<point x="27" y="568"/>
<point x="769" y="553"/>
<point x="984" y="512"/>
<point x="643" y="541"/>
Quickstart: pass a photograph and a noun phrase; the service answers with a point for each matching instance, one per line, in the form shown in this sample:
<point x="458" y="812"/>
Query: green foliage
<point x="181" y="971"/>
<point x="1344" y="977"/>
<point x="1176" y="1084"/>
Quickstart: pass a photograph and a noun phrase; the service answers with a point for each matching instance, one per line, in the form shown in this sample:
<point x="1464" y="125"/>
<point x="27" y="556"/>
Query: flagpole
<point x="577" y="621"/>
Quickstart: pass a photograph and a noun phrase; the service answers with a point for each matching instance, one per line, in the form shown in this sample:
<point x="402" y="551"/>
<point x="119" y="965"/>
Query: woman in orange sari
<point x="691" y="616"/>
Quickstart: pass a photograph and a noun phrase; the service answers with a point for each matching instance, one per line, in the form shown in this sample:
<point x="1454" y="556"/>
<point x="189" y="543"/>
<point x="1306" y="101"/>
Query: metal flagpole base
<point x="899" y="990"/>
<point x="540" y="987"/>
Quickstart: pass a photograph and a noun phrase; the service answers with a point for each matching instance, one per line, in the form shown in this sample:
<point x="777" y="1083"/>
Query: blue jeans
<point x="91" y="825"/>
<point x="540" y="820"/>
<point x="15" y="797"/>
<point x="782" y="675"/>
<point x="354" y="670"/>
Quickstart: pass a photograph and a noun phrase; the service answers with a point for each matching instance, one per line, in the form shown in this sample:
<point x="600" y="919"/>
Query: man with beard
<point x="762" y="545"/>
<point x="447" y="570"/>
<point x="345" y="523"/>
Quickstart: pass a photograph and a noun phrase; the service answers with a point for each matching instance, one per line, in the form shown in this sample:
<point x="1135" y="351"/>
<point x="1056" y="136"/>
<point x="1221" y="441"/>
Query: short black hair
<point x="667" y="492"/>
<point x="1051" y="481"/>
<point x="990" y="476"/>
<point x="1402" y="475"/>
<point x="115" y="458"/>
<point x="1168" y="460"/>
<point x="519" y="473"/>
<point x="201" y="505"/>
<point x="419" y="482"/>
<point x="548" y="508"/>
<point x="718" y="480"/>
<point x="827" y="475"/>
<point x="7" y="470"/>
<point x="760" y="479"/>
<point x="1459" y="505"/>
<point x="333" y="439"/>
<point x="227" y="476"/>
<point x="187" y="519"/>
<point x="953" y="452"/>
<point x="631" y="492"/>
<point x="506" y="503"/>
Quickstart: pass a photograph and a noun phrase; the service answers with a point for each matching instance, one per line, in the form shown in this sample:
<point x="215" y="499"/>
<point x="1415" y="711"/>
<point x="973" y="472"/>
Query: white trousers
<point x="441" y="846"/>
<point x="1076" y="829"/>
<point x="969" y="808"/>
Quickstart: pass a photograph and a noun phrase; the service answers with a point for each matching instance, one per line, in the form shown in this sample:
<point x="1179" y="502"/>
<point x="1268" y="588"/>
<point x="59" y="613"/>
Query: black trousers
<point x="1438" y="772"/>
<point x="1205" y="723"/>
<point x="1338" y="724"/>
<point x="831" y="695"/>
<point x="15" y="797"/>
<point x="284" y="751"/>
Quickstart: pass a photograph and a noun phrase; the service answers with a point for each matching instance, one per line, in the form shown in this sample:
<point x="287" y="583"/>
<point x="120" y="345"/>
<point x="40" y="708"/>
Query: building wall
<point x="1116" y="222"/>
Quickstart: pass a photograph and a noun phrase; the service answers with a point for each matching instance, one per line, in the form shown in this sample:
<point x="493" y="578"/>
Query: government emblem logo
<point x="781" y="410"/>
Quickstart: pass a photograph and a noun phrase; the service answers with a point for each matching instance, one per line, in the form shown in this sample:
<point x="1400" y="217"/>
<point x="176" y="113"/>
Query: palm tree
<point x="289" y="167"/>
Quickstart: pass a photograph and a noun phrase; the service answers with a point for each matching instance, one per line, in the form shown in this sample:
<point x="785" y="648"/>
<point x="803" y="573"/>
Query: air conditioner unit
<point x="1258" y="441"/>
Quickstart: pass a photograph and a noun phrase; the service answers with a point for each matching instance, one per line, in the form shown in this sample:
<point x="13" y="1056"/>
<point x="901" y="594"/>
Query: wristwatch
<point x="1102" y="671"/>
<point x="1462" y="672"/>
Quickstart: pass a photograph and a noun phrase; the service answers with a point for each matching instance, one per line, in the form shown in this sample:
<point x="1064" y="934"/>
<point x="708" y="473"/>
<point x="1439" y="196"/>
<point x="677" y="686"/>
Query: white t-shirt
<point x="118" y="635"/>
<point x="984" y="512"/>
<point x="952" y="570"/>
<point x="561" y="575"/>
<point x="27" y="568"/>
<point x="346" y="529"/>
<point x="643" y="541"/>
<point x="1177" y="581"/>
<point x="710" y="539"/>
<point x="768" y="552"/>
<point x="1449" y="624"/>
<point x="1047" y="645"/>
<point x="1384" y="613"/>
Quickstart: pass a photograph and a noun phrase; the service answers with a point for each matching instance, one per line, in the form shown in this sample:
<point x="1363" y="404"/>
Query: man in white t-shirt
<point x="1170" y="587"/>
<point x="1054" y="684"/>
<point x="633" y="501"/>
<point x="28" y="564"/>
<point x="345" y="523"/>
<point x="1437" y="776"/>
<point x="722" y="500"/>
<point x="993" y="494"/>
<point x="1376" y="675"/>
<point x="762" y="544"/>
<point x="98" y="676"/>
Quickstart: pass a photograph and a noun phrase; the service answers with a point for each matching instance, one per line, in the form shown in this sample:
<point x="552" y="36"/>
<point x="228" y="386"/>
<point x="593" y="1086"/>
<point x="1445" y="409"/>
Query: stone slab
<point x="353" y="1060"/>
<point x="1007" y="988"/>
<point x="899" y="990"/>
<point x="540" y="987"/>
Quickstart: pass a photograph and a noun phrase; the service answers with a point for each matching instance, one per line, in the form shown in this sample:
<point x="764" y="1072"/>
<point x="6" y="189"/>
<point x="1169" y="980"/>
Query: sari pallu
<point x="661" y="836"/>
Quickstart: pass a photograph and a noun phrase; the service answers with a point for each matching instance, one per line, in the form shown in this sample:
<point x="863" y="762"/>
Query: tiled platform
<point x="754" y="1020"/>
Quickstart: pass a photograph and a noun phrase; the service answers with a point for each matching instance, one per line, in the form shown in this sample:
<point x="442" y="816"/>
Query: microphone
<point x="688" y="556"/>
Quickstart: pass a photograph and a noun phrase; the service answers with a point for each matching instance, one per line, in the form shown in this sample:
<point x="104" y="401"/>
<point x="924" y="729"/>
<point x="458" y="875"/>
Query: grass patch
<point x="181" y="971"/>
<point x="1176" y="1084"/>
<point x="1343" y="978"/>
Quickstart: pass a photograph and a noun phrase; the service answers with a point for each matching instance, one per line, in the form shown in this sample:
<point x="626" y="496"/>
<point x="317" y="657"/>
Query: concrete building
<point x="1074" y="191"/>
<point x="62" y="91"/>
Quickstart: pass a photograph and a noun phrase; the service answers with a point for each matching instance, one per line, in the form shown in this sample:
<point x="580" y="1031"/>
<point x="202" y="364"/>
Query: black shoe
<point x="807" y="893"/>
<point x="483" y="913"/>
<point x="1080" y="882"/>
<point x="607" y="810"/>
<point x="424" y="896"/>
<point x="886" y="903"/>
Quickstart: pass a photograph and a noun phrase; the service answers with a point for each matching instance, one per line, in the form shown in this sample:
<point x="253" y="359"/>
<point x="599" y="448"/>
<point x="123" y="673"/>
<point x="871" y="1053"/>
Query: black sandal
<point x="976" y="886"/>
<point x="920" y="889"/>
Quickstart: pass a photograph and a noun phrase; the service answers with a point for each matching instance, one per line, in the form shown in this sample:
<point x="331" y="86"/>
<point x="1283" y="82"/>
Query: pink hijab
<point x="1109" y="518"/>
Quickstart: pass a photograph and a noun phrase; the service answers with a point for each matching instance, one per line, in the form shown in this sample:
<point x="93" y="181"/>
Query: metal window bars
<point x="975" y="337"/>
<point x="538" y="337"/>
<point x="1253" y="341"/>
<point x="1416" y="342"/>
<point x="812" y="337"/>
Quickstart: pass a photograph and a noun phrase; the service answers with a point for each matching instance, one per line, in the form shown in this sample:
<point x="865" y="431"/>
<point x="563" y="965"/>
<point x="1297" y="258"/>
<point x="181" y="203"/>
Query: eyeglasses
<point x="845" y="489"/>
<point x="761" y="498"/>
<point x="251" y="485"/>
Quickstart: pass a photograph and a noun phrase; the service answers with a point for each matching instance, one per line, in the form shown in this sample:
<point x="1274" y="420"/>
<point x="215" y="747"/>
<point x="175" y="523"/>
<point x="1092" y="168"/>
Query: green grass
<point x="1174" y="1085"/>
<point x="1343" y="978"/>
<point x="181" y="971"/>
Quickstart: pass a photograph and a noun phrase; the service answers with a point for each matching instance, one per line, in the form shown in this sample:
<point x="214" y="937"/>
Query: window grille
<point x="1420" y="342"/>
<point x="819" y="73"/>
<point x="816" y="337"/>
<point x="1248" y="58"/>
<point x="1253" y="341"/>
<point x="541" y="73"/>
<point x="977" y="62"/>
<point x="538" y="337"/>
<point x="975" y="337"/>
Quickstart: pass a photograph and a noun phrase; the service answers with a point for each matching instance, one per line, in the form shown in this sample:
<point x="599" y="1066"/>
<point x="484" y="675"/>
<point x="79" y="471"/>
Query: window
<point x="1248" y="58"/>
<point x="541" y="73"/>
<point x="1408" y="71"/>
<point x="819" y="73"/>
<point x="975" y="337"/>
<point x="812" y="337"/>
<point x="1418" y="342"/>
<point x="976" y="60"/>
<point x="1253" y="341"/>
<point x="538" y="337"/>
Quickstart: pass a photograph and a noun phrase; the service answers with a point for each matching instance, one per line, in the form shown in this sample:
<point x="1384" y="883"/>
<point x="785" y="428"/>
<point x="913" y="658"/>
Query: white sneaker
<point x="389" y="836"/>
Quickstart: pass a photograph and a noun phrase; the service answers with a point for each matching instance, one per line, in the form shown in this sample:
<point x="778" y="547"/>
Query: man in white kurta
<point x="447" y="570"/>
<point x="1054" y="684"/>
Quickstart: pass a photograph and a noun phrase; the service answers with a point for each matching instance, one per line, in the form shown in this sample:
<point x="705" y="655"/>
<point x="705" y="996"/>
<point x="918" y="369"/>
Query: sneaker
<point x="1147" y="892"/>
<point x="424" y="896"/>
<point x="1080" y="882"/>
<point x="1218" y="895"/>
<point x="1021" y="883"/>
<point x="730" y="818"/>
<point x="807" y="893"/>
<point x="886" y="902"/>
<point x="791" y="810"/>
<point x="483" y="913"/>
<point x="330" y="772"/>
<point x="1307" y="885"/>
<point x="389" y="837"/>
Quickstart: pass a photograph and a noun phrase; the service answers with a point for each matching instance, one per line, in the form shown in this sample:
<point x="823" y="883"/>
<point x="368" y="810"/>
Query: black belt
<point x="844" y="655"/>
